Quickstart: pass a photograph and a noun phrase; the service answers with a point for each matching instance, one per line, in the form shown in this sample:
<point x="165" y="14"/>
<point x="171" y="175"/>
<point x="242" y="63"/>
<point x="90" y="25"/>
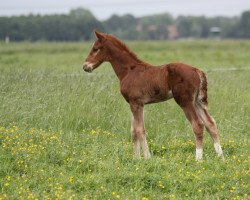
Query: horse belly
<point x="158" y="95"/>
<point x="151" y="86"/>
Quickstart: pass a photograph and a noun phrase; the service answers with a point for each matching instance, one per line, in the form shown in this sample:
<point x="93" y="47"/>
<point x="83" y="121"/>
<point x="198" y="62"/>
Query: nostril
<point x="87" y="67"/>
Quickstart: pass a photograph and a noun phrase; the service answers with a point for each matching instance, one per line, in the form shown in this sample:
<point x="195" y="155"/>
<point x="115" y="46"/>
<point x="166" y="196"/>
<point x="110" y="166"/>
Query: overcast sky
<point x="103" y="9"/>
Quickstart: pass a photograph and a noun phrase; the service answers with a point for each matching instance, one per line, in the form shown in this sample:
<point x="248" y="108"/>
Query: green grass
<point x="65" y="133"/>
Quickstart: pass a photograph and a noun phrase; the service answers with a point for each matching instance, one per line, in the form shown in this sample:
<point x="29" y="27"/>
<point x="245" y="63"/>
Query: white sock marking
<point x="137" y="149"/>
<point x="199" y="154"/>
<point x="145" y="149"/>
<point x="218" y="149"/>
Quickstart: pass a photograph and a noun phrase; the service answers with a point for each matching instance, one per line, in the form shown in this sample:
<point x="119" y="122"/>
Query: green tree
<point x="123" y="26"/>
<point x="244" y="25"/>
<point x="78" y="25"/>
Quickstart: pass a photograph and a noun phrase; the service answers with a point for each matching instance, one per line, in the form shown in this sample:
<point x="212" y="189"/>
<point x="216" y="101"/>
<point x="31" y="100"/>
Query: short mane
<point x="118" y="43"/>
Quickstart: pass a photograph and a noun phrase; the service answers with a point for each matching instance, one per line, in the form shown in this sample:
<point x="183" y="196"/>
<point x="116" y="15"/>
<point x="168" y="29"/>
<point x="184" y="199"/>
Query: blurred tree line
<point x="80" y="23"/>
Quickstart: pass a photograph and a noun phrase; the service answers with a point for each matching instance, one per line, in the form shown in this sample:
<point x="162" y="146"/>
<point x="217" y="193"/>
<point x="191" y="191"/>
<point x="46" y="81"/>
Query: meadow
<point x="65" y="134"/>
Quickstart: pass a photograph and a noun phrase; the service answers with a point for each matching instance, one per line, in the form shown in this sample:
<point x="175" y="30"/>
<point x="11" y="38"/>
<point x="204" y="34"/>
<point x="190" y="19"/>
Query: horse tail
<point x="202" y="91"/>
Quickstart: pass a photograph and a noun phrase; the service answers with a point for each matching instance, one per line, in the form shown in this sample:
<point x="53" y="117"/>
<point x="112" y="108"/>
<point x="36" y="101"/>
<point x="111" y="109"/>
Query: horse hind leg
<point x="207" y="119"/>
<point x="187" y="104"/>
<point x="210" y="125"/>
<point x="197" y="126"/>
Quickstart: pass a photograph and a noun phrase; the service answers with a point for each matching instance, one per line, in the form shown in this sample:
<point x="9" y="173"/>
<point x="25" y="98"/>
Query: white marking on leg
<point x="199" y="154"/>
<point x="137" y="149"/>
<point x="145" y="148"/>
<point x="218" y="149"/>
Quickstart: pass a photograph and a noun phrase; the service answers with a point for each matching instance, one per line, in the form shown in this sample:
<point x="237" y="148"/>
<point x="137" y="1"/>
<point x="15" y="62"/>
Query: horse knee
<point x="137" y="133"/>
<point x="198" y="128"/>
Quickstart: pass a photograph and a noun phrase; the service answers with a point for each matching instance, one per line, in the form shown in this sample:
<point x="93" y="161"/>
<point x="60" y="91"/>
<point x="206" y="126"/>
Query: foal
<point x="142" y="83"/>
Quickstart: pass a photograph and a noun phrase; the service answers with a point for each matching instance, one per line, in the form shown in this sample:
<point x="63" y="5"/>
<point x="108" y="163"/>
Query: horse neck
<point x="122" y="62"/>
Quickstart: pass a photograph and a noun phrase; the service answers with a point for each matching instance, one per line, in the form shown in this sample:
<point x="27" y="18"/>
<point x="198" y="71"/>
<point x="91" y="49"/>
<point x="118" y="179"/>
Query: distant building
<point x="215" y="31"/>
<point x="7" y="39"/>
<point x="172" y="32"/>
<point x="139" y="28"/>
<point x="152" y="27"/>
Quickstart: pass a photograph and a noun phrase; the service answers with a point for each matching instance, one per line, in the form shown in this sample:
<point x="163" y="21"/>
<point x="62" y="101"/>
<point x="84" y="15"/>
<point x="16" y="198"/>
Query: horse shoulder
<point x="132" y="85"/>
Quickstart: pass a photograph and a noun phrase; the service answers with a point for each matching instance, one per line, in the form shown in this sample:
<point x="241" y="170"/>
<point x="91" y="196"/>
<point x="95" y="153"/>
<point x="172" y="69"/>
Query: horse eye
<point x="95" y="49"/>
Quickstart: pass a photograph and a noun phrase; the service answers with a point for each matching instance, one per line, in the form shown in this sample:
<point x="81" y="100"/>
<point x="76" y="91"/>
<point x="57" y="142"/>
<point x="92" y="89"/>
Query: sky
<point x="103" y="9"/>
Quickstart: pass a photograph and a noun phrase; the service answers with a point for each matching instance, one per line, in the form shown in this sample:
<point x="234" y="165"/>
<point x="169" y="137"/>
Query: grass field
<point x="65" y="134"/>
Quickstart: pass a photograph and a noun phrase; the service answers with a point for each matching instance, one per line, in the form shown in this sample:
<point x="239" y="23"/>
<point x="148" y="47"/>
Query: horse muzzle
<point x="88" y="67"/>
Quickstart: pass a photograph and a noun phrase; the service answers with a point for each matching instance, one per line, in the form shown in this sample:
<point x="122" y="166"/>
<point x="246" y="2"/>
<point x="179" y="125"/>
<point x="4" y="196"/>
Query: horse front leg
<point x="138" y="131"/>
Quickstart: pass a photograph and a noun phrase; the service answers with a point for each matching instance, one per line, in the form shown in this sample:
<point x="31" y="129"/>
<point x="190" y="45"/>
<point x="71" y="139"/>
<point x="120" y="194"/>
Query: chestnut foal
<point x="142" y="83"/>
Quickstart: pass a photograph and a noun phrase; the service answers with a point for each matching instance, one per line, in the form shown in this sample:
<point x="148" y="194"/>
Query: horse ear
<point x="100" y="36"/>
